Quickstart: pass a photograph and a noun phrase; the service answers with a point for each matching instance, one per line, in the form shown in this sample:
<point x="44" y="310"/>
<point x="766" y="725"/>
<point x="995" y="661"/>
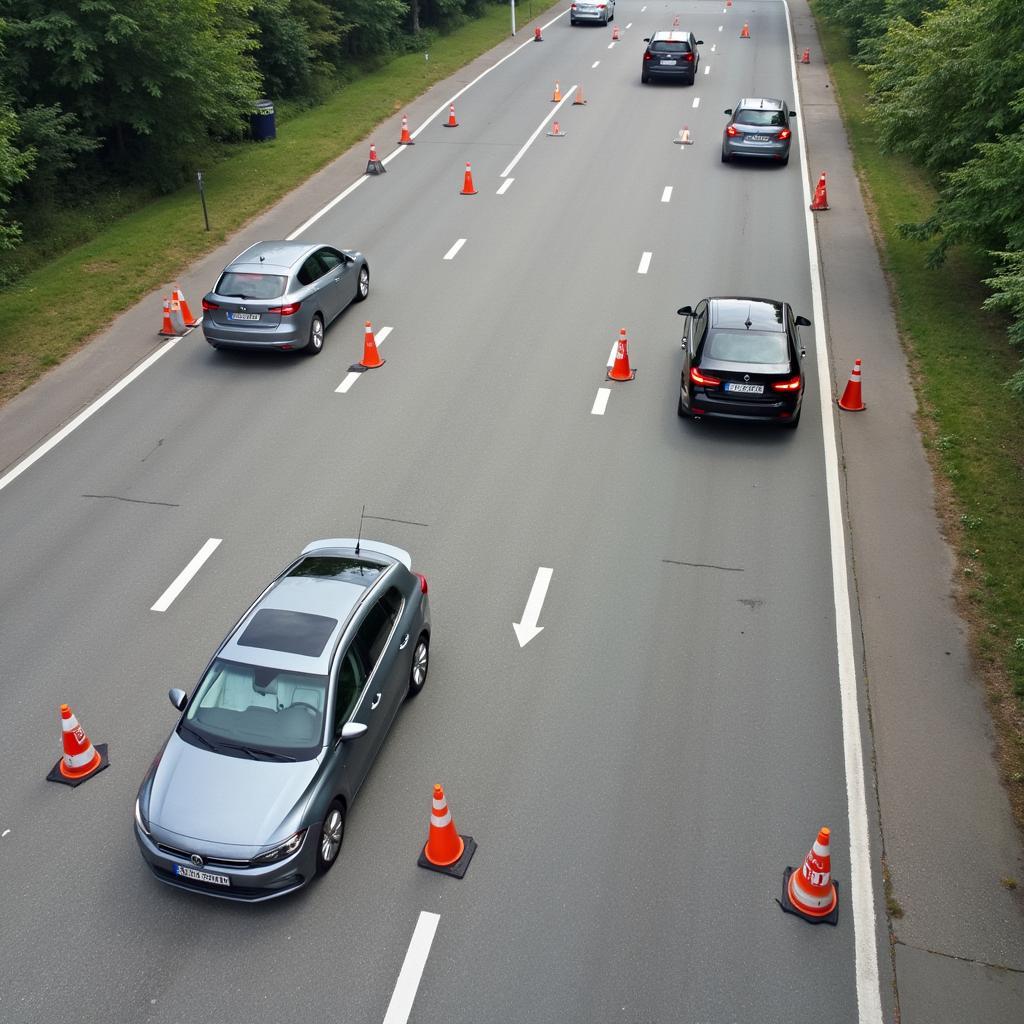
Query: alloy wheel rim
<point x="419" y="665"/>
<point x="318" y="334"/>
<point x="364" y="282"/>
<point x="331" y="841"/>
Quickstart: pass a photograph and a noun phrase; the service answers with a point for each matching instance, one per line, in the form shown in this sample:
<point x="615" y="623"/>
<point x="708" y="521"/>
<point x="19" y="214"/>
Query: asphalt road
<point x="641" y="772"/>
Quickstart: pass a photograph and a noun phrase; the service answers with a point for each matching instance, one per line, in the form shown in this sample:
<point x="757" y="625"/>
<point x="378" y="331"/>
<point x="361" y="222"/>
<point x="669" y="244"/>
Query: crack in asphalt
<point x="704" y="565"/>
<point x="954" y="956"/>
<point x="133" y="501"/>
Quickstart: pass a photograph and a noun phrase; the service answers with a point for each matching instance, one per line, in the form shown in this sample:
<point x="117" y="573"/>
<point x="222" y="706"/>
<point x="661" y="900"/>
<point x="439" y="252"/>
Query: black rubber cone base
<point x="632" y="376"/>
<point x="788" y="906"/>
<point x="56" y="775"/>
<point x="376" y="167"/>
<point x="456" y="870"/>
<point x="359" y="368"/>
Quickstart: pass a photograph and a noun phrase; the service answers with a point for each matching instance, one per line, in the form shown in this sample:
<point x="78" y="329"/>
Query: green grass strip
<point x="960" y="357"/>
<point x="52" y="311"/>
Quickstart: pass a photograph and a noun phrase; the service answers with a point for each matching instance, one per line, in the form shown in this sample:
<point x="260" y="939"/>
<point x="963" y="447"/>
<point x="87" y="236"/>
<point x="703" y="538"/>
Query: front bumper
<point x="247" y="884"/>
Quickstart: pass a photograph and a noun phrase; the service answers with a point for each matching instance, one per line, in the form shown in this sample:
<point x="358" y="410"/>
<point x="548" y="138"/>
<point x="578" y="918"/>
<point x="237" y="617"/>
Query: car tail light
<point x="573" y="7"/>
<point x="732" y="130"/>
<point x="703" y="379"/>
<point x="688" y="56"/>
<point x="292" y="307"/>
<point x="793" y="384"/>
<point x="647" y="55"/>
<point x="785" y="133"/>
<point x="423" y="582"/>
<point x="208" y="306"/>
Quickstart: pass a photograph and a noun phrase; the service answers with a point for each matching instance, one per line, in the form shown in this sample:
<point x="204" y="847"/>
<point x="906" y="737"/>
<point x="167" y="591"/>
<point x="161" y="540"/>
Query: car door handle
<point x="405" y="640"/>
<point x="375" y="703"/>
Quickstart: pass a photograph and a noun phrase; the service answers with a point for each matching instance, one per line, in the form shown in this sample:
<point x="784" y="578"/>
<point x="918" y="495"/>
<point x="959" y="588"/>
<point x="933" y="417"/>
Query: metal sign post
<point x="202" y="197"/>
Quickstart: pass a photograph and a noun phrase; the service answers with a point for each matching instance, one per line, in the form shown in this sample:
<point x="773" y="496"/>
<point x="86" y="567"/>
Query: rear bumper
<point x="756" y="150"/>
<point x="686" y="73"/>
<point x="705" y="404"/>
<point x="288" y="334"/>
<point x="601" y="17"/>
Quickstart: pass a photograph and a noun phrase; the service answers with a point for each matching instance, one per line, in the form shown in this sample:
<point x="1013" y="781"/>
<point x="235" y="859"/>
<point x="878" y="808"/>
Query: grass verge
<point x="972" y="427"/>
<point x="53" y="311"/>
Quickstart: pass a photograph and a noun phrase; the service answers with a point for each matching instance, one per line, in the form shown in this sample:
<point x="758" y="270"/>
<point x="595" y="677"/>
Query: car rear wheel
<point x="725" y="156"/>
<point x="681" y="409"/>
<point x="644" y="78"/>
<point x="316" y="337"/>
<point x="364" y="284"/>
<point x="793" y="423"/>
<point x="420" y="664"/>
<point x="332" y="834"/>
<point x="784" y="160"/>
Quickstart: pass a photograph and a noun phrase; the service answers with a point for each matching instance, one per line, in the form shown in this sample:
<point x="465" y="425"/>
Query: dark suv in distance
<point x="742" y="360"/>
<point x="758" y="127"/>
<point x="672" y="54"/>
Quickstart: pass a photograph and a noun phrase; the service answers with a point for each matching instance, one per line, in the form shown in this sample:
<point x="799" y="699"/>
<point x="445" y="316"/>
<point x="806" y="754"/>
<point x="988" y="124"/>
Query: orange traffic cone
<point x="745" y="31"/>
<point x="371" y="357"/>
<point x="615" y="33"/>
<point x="620" y="368"/>
<point x="820" y="200"/>
<point x="373" y="165"/>
<point x="451" y="122"/>
<point x="579" y="101"/>
<point x="467" y="183"/>
<point x="851" y="400"/>
<point x="406" y="138"/>
<point x="675" y="21"/>
<point x="728" y="3"/>
<point x="445" y="851"/>
<point x="811" y="893"/>
<point x="556" y="130"/>
<point x="537" y="37"/>
<point x="173" y="325"/>
<point x="557" y="97"/>
<point x="806" y="57"/>
<point x="684" y="137"/>
<point x="186" y="314"/>
<point x="81" y="759"/>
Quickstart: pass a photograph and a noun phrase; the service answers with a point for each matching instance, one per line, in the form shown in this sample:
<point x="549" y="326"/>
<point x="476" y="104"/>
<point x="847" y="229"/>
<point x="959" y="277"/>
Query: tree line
<point x="947" y="89"/>
<point x="96" y="93"/>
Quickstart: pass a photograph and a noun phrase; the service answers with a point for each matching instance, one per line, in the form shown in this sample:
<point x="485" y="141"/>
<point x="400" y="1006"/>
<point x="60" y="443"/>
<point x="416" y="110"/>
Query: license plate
<point x="757" y="138"/>
<point x="243" y="316"/>
<point x="670" y="63"/>
<point x="745" y="389"/>
<point x="201" y="876"/>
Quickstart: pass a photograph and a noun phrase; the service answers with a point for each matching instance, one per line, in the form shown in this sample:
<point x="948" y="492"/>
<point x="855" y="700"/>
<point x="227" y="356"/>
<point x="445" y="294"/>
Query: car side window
<point x="700" y="324"/>
<point x="330" y="259"/>
<point x="350" y="684"/>
<point x="310" y="270"/>
<point x="373" y="634"/>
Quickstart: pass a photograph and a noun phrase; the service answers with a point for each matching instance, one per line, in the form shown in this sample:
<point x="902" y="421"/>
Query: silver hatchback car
<point x="248" y="797"/>
<point x="283" y="295"/>
<point x="758" y="127"/>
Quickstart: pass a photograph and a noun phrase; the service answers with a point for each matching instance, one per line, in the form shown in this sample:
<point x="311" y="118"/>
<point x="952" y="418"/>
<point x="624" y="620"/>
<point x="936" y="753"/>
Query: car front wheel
<point x="332" y="834"/>
<point x="420" y="664"/>
<point x="363" y="288"/>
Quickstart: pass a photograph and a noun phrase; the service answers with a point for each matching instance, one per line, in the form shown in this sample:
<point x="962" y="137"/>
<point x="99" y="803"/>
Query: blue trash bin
<point x="262" y="122"/>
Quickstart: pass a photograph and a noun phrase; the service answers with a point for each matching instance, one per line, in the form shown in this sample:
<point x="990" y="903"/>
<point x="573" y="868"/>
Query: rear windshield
<point x="251" y="286"/>
<point x="669" y="46"/>
<point x="747" y="347"/>
<point x="762" y="118"/>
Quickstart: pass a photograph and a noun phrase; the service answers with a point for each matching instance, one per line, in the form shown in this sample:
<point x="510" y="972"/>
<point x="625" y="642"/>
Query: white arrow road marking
<point x="527" y="629"/>
<point x="351" y="378"/>
<point x="412" y="969"/>
<point x="505" y="185"/>
<point x="601" y="401"/>
<point x="454" y="250"/>
<point x="186" y="574"/>
<point x="645" y="262"/>
<point x="666" y="195"/>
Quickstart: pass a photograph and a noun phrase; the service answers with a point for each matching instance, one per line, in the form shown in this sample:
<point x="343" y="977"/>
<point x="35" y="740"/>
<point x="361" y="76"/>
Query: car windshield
<point x="251" y="286"/>
<point x="761" y="118"/>
<point x="747" y="347"/>
<point x="259" y="712"/>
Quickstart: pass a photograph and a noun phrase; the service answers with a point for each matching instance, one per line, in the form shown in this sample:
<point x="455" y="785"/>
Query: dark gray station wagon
<point x="248" y="797"/>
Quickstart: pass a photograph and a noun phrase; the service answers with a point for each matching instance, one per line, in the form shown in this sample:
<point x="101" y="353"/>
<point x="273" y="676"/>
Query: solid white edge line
<point x="184" y="577"/>
<point x="412" y="969"/>
<point x="453" y="251"/>
<point x="645" y="263"/>
<point x="601" y="401"/>
<point x="350" y="379"/>
<point x="529" y="142"/>
<point x="869" y="1000"/>
<point x="12" y="474"/>
<point x="505" y="186"/>
<point x="381" y="335"/>
<point x="666" y="194"/>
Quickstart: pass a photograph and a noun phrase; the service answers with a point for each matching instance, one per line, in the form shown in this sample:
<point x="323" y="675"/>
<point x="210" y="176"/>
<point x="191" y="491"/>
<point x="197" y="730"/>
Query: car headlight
<point x="285" y="849"/>
<point x="140" y="820"/>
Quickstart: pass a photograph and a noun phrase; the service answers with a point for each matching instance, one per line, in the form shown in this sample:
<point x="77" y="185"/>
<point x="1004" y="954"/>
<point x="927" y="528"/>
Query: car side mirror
<point x="700" y="42"/>
<point x="685" y="311"/>
<point x="729" y="111"/>
<point x="647" y="39"/>
<point x="802" y="321"/>
<point x="179" y="698"/>
<point x="792" y="113"/>
<point x="352" y="731"/>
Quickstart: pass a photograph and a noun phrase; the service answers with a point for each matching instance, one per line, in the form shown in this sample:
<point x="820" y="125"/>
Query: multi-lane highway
<point x="639" y="774"/>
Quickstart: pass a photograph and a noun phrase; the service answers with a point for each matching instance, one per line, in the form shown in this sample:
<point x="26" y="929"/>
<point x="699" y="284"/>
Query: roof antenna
<point x="748" y="323"/>
<point x="359" y="536"/>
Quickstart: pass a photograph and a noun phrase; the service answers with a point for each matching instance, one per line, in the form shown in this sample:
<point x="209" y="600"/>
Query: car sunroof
<point x="276" y="629"/>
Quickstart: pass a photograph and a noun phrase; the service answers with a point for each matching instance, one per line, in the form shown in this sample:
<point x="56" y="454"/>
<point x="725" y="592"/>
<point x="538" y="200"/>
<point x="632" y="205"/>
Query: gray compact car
<point x="248" y="797"/>
<point x="758" y="127"/>
<point x="599" y="12"/>
<point x="283" y="295"/>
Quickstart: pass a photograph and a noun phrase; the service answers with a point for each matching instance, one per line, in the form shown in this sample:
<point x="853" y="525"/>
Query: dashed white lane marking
<point x="505" y="185"/>
<point x="530" y="141"/>
<point x="412" y="969"/>
<point x="611" y="355"/>
<point x="6" y="832"/>
<point x="713" y="45"/>
<point x="351" y="378"/>
<point x="696" y="102"/>
<point x="453" y="251"/>
<point x="611" y="46"/>
<point x="707" y="69"/>
<point x="185" y="576"/>
<point x="720" y="27"/>
<point x="645" y="262"/>
<point x="630" y="25"/>
<point x="644" y="8"/>
<point x="594" y="65"/>
<point x="666" y="195"/>
<point x="601" y="401"/>
<point x="31" y="460"/>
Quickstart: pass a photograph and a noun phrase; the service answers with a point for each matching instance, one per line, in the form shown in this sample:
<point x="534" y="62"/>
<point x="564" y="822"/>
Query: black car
<point x="742" y="360"/>
<point x="672" y="54"/>
<point x="758" y="127"/>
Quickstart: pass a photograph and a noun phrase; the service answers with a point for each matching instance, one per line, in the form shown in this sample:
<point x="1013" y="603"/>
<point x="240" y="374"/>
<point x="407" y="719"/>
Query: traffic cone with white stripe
<point x="852" y="400"/>
<point x="174" y="324"/>
<point x="556" y="130"/>
<point x="468" y="188"/>
<point x="445" y="851"/>
<point x="405" y="138"/>
<point x="81" y="760"/>
<point x="810" y="892"/>
<point x="451" y="122"/>
<point x="620" y="368"/>
<point x="820" y="199"/>
<point x="675" y="21"/>
<point x="537" y="37"/>
<point x="684" y="137"/>
<point x="556" y="96"/>
<point x="745" y="31"/>
<point x="805" y="58"/>
<point x="186" y="314"/>
<point x="371" y="357"/>
<point x="579" y="101"/>
<point x="615" y="33"/>
<point x="373" y="165"/>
